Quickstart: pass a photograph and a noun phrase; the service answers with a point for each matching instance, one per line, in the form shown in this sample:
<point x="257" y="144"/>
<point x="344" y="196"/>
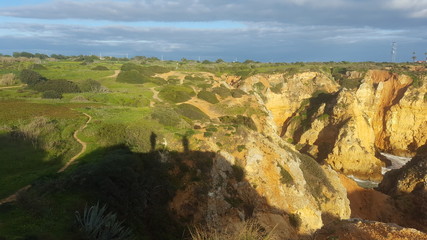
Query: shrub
<point x="60" y="86"/>
<point x="132" y="76"/>
<point x="97" y="224"/>
<point x="166" y="116"/>
<point x="100" y="68"/>
<point x="38" y="67"/>
<point x="133" y="73"/>
<point x="89" y="85"/>
<point x="239" y="120"/>
<point x="249" y="231"/>
<point x="31" y="77"/>
<point x="176" y="94"/>
<point x="208" y="97"/>
<point x="285" y="178"/>
<point x="240" y="148"/>
<point x="237" y="93"/>
<point x="277" y="88"/>
<point x="295" y="220"/>
<point x="194" y="78"/>
<point x="259" y="86"/>
<point x="191" y="112"/>
<point x="222" y="91"/>
<point x="52" y="94"/>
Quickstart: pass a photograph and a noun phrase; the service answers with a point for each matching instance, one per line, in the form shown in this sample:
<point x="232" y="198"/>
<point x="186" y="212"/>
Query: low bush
<point x="100" y="68"/>
<point x="131" y="76"/>
<point x="176" y="94"/>
<point x="133" y="73"/>
<point x="222" y="91"/>
<point x="38" y="67"/>
<point x="237" y="93"/>
<point x="259" y="86"/>
<point x="277" y="88"/>
<point x="208" y="97"/>
<point x="166" y="116"/>
<point x="31" y="77"/>
<point x="191" y="112"/>
<point x="51" y="94"/>
<point x="239" y="120"/>
<point x="286" y="177"/>
<point x="60" y="86"/>
<point x="90" y="85"/>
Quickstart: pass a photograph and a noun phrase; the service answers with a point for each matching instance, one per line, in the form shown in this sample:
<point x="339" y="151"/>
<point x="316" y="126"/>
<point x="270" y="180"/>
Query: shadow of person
<point x="153" y="140"/>
<point x="185" y="144"/>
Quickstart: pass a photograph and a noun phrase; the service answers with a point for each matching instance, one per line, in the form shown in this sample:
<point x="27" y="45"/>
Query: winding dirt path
<point x="14" y="196"/>
<point x="84" y="145"/>
<point x="116" y="73"/>
<point x="22" y="85"/>
<point x="155" y="96"/>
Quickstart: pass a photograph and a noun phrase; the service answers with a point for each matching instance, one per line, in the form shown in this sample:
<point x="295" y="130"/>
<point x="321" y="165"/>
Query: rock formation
<point x="356" y="229"/>
<point x="347" y="127"/>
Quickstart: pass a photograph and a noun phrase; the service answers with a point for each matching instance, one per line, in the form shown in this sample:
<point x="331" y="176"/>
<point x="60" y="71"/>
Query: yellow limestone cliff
<point x="348" y="127"/>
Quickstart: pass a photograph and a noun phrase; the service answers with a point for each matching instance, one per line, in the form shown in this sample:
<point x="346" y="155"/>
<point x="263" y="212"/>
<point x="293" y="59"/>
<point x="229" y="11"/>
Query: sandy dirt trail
<point x="13" y="197"/>
<point x="84" y="145"/>
<point x="22" y="85"/>
<point x="116" y="73"/>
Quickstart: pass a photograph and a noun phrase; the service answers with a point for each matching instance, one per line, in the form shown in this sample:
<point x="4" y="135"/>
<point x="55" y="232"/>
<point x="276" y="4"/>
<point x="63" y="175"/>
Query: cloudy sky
<point x="267" y="30"/>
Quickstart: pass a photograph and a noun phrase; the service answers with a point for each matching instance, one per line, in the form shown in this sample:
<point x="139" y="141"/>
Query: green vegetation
<point x="249" y="231"/>
<point x="192" y="112"/>
<point x="222" y="91"/>
<point x="100" y="68"/>
<point x="237" y="93"/>
<point x="208" y="97"/>
<point x="134" y="73"/>
<point x="59" y="86"/>
<point x="31" y="77"/>
<point x="239" y="120"/>
<point x="286" y="177"/>
<point x="176" y="93"/>
<point x="166" y="116"/>
<point x="96" y="224"/>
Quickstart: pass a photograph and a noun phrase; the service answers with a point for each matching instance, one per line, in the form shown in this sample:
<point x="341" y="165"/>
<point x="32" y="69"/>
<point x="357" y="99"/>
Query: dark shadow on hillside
<point x="314" y="104"/>
<point x="21" y="162"/>
<point x="158" y="199"/>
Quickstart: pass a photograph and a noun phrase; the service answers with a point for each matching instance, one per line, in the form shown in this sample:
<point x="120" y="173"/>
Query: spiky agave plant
<point x="96" y="224"/>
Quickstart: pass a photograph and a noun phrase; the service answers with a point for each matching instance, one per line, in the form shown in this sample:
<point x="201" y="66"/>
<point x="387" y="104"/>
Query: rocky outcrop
<point x="406" y="125"/>
<point x="346" y="129"/>
<point x="356" y="229"/>
<point x="286" y="93"/>
<point x="408" y="188"/>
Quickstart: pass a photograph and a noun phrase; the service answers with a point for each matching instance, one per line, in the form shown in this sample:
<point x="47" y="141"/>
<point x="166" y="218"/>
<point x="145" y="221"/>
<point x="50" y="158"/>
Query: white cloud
<point x="414" y="8"/>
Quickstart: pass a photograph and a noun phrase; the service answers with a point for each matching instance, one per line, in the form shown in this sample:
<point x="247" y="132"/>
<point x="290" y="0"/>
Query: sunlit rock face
<point x="348" y="127"/>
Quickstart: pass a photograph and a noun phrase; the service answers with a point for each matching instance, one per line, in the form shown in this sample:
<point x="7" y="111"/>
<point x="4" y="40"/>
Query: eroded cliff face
<point x="348" y="127"/>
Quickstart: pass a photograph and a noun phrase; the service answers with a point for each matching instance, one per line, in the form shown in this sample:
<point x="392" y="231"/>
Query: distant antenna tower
<point x="393" y="51"/>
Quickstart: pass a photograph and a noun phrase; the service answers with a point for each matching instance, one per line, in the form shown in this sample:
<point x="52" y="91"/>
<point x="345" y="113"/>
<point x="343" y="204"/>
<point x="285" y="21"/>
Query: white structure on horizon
<point x="393" y="52"/>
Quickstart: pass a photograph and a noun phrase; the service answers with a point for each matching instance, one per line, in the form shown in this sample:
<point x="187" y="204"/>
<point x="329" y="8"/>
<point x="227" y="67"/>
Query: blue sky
<point x="268" y="30"/>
